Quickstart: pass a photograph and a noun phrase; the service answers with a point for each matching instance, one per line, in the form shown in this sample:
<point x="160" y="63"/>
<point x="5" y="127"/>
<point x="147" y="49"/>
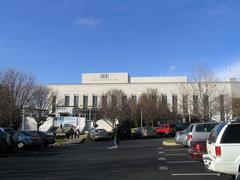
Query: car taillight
<point x="218" y="151"/>
<point x="189" y="137"/>
<point x="197" y="147"/>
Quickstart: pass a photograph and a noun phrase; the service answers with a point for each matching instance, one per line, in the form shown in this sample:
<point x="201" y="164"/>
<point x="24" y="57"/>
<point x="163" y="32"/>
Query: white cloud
<point x="230" y="71"/>
<point x="172" y="67"/>
<point x="88" y="21"/>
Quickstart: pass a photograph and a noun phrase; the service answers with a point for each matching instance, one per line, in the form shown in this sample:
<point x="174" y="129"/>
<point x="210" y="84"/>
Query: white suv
<point x="223" y="148"/>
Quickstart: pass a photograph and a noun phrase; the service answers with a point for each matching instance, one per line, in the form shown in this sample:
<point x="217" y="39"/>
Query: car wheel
<point x="20" y="145"/>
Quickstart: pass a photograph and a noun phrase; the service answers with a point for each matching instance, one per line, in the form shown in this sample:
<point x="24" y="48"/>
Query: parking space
<point x="175" y="161"/>
<point x="135" y="159"/>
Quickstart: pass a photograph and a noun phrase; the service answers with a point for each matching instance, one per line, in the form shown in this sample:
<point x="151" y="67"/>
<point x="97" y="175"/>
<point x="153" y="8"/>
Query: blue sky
<point x="57" y="40"/>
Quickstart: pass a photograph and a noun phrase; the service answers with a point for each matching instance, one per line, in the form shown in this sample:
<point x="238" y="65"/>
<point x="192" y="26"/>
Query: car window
<point x="204" y="127"/>
<point x="231" y="134"/>
<point x="1" y="133"/>
<point x="9" y="130"/>
<point x="201" y="128"/>
<point x="215" y="132"/>
<point x="100" y="130"/>
<point x="161" y="126"/>
<point x="190" y="128"/>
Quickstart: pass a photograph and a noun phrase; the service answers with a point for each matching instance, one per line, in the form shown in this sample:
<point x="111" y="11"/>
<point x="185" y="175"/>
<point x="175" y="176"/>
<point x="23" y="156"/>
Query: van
<point x="199" y="131"/>
<point x="223" y="149"/>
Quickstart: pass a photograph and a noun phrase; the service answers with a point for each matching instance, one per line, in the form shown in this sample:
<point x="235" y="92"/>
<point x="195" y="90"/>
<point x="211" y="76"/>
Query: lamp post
<point x="23" y="119"/>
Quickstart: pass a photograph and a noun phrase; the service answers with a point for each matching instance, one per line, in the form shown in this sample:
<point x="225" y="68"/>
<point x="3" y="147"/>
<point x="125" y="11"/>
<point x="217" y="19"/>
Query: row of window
<point x="85" y="101"/>
<point x="185" y="102"/>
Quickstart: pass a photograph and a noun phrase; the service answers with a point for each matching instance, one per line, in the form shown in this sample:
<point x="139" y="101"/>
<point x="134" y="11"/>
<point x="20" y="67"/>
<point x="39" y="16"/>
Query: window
<point x="190" y="128"/>
<point x="204" y="127"/>
<point x="231" y="134"/>
<point x="1" y="133"/>
<point x="185" y="104"/>
<point x="215" y="132"/>
<point x="94" y="103"/>
<point x="124" y="99"/>
<point x="54" y="104"/>
<point x="174" y="104"/>
<point x="195" y="104"/>
<point x="164" y="99"/>
<point x="222" y="106"/>
<point x="206" y="106"/>
<point x="76" y="101"/>
<point x="134" y="98"/>
<point x="67" y="99"/>
<point x="104" y="102"/>
<point x="85" y="102"/>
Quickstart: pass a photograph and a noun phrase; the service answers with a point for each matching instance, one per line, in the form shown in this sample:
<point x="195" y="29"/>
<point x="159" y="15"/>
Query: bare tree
<point x="18" y="89"/>
<point x="153" y="107"/>
<point x="112" y="106"/>
<point x="43" y="103"/>
<point x="203" y="93"/>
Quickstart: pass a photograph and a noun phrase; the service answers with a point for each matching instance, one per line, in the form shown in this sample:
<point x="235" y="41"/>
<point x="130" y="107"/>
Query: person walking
<point x="116" y="136"/>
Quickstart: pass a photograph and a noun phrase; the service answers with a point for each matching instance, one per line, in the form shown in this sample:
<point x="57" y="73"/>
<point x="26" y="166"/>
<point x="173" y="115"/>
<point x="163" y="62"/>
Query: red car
<point x="197" y="149"/>
<point x="165" y="130"/>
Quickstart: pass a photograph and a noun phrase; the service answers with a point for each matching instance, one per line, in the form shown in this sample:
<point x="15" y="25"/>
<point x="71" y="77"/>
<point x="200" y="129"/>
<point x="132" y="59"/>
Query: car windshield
<point x="25" y="133"/>
<point x="9" y="130"/>
<point x="100" y="130"/>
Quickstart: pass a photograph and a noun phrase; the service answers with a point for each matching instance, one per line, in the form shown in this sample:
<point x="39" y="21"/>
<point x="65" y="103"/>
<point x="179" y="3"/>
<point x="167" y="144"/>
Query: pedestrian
<point x="116" y="136"/>
<point x="71" y="132"/>
<point x="78" y="133"/>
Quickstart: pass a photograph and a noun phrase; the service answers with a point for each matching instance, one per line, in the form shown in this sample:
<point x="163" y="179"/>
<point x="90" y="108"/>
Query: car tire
<point x="20" y="145"/>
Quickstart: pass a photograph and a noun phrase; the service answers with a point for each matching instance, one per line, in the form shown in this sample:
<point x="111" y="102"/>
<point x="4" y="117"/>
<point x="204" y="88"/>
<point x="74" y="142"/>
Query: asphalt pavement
<point x="145" y="159"/>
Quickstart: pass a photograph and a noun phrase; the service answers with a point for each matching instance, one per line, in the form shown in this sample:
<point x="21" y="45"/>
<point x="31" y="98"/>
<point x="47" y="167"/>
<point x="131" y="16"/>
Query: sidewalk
<point x="67" y="142"/>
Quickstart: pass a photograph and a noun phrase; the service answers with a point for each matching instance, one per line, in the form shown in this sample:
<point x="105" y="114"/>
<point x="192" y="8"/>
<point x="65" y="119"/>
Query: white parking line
<point x="162" y="168"/>
<point x="179" y="162"/>
<point x="160" y="148"/>
<point x="162" y="159"/>
<point x="197" y="174"/>
<point x="176" y="154"/>
<point x="175" y="149"/>
<point x="160" y="152"/>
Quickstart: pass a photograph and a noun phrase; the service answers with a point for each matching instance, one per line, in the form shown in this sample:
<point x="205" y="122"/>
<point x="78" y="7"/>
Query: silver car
<point x="96" y="134"/>
<point x="199" y="131"/>
<point x="181" y="137"/>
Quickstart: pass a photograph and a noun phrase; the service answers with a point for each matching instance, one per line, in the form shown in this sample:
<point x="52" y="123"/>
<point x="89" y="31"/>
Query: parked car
<point x="125" y="132"/>
<point x="97" y="134"/>
<point x="144" y="132"/>
<point x="45" y="138"/>
<point x="197" y="149"/>
<point x="9" y="133"/>
<point x="165" y="130"/>
<point x="223" y="149"/>
<point x="199" y="131"/>
<point x="181" y="137"/>
<point x="3" y="142"/>
<point x="24" y="139"/>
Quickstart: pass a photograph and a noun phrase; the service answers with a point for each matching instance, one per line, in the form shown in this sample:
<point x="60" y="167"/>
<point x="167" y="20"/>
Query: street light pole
<point x="23" y="119"/>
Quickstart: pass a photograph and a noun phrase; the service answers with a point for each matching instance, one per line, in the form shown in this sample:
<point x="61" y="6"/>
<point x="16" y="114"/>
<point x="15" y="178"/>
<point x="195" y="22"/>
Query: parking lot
<point x="135" y="159"/>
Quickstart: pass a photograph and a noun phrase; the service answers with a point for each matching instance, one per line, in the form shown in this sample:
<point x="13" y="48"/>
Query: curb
<point x="67" y="143"/>
<point x="169" y="144"/>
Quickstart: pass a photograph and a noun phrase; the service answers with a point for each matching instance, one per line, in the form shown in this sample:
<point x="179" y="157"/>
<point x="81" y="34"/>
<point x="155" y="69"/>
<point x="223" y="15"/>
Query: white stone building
<point x="87" y="94"/>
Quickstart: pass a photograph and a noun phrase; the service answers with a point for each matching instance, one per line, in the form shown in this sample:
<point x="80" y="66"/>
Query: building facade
<point x="181" y="96"/>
